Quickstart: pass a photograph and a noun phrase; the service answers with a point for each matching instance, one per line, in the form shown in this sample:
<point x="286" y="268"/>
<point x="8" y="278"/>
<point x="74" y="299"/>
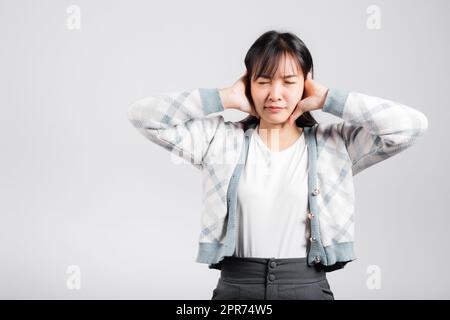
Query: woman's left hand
<point x="314" y="98"/>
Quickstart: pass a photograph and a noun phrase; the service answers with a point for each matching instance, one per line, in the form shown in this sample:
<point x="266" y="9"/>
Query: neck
<point x="278" y="136"/>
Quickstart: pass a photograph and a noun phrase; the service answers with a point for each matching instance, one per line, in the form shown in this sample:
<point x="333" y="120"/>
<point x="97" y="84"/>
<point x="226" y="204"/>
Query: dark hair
<point x="262" y="58"/>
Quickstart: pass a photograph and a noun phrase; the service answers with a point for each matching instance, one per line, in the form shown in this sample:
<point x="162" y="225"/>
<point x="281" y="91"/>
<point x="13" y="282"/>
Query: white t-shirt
<point x="273" y="201"/>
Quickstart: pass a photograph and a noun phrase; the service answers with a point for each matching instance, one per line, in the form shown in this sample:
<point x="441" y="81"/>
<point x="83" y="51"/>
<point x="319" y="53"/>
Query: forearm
<point x="166" y="110"/>
<point x="381" y="117"/>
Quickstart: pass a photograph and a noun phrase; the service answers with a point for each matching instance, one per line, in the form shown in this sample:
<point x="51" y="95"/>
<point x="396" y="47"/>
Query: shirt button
<point x="312" y="239"/>
<point x="271" y="277"/>
<point x="316" y="192"/>
<point x="273" y="264"/>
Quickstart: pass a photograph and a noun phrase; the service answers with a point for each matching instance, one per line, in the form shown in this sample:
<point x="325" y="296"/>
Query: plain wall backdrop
<point x="81" y="187"/>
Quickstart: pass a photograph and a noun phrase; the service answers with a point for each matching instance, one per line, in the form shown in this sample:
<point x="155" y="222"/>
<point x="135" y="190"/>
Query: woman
<point x="278" y="198"/>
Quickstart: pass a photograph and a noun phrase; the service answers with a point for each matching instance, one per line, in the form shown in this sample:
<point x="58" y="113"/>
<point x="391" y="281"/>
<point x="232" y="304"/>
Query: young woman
<point x="278" y="198"/>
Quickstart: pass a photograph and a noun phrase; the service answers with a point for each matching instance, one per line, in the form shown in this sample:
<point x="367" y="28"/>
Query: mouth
<point x="274" y="109"/>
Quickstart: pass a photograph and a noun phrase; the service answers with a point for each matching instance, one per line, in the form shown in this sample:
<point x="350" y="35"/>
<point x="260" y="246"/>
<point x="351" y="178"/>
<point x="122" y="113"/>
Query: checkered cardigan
<point x="189" y="124"/>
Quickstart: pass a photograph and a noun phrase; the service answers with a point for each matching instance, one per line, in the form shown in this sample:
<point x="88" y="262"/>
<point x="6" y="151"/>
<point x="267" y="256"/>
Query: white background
<point x="81" y="187"/>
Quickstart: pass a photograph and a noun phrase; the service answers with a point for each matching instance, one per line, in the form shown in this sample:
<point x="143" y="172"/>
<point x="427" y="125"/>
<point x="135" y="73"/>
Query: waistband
<point x="269" y="270"/>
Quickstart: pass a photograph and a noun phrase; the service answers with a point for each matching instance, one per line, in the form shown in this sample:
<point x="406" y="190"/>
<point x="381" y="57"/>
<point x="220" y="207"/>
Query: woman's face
<point x="285" y="90"/>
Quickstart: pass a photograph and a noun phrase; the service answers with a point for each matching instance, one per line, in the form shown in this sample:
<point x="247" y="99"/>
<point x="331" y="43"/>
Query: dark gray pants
<point x="271" y="279"/>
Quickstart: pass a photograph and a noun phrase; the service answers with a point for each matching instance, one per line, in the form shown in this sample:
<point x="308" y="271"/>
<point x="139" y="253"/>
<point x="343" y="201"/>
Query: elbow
<point x="414" y="126"/>
<point x="131" y="111"/>
<point x="133" y="115"/>
<point x="422" y="123"/>
<point x="419" y="125"/>
<point x="145" y="113"/>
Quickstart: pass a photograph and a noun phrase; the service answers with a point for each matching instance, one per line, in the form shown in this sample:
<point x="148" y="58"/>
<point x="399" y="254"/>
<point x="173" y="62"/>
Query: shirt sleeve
<point x="179" y="122"/>
<point x="374" y="128"/>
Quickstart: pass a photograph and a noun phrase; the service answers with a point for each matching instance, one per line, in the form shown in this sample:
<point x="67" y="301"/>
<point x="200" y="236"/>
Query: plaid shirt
<point x="373" y="130"/>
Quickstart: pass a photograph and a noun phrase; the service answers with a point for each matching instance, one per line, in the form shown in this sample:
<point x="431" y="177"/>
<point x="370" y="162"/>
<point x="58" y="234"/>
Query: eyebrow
<point x="285" y="77"/>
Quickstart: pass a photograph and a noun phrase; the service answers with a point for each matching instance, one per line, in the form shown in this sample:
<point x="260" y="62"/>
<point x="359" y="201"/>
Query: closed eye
<point x="286" y="82"/>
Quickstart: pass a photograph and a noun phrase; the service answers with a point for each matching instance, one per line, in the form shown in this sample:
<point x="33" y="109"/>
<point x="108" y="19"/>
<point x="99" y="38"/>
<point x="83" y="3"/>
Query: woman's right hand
<point x="234" y="97"/>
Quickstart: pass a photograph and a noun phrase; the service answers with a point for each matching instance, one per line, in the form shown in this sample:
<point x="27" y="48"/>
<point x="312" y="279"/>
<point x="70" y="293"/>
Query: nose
<point x="275" y="92"/>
